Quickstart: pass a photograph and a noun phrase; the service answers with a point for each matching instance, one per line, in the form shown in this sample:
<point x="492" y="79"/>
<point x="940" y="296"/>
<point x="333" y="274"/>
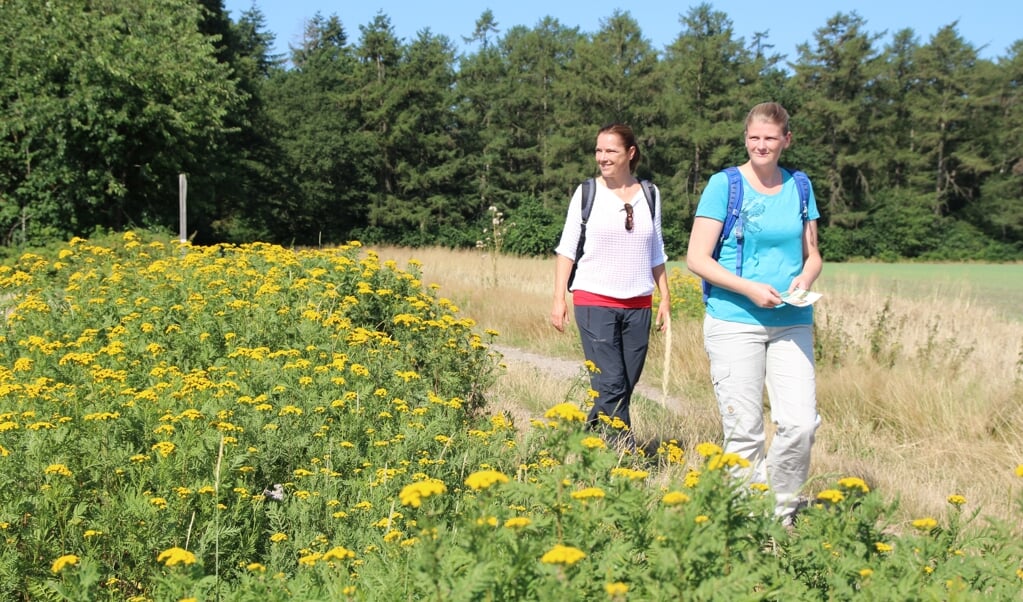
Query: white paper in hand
<point x="800" y="298"/>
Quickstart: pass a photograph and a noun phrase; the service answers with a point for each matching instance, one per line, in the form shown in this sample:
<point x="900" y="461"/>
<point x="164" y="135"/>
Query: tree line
<point x="915" y="147"/>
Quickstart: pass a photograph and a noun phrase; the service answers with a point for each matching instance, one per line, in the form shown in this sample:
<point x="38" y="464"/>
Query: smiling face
<point x="765" y="141"/>
<point x="612" y="156"/>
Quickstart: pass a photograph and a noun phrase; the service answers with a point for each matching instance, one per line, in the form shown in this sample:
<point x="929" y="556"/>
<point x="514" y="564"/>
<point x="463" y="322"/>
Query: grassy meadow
<point x="255" y="423"/>
<point x="920" y="368"/>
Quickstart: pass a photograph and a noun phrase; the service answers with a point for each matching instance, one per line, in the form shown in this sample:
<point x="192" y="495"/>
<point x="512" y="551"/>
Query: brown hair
<point x="770" y="112"/>
<point x="628" y="139"/>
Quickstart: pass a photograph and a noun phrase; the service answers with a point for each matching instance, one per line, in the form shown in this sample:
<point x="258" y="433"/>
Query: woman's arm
<point x="664" y="307"/>
<point x="700" y="261"/>
<point x="813" y="263"/>
<point x="559" y="310"/>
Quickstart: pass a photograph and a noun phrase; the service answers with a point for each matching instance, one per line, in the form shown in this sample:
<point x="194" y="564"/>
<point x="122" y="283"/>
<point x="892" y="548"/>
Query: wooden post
<point x="182" y="215"/>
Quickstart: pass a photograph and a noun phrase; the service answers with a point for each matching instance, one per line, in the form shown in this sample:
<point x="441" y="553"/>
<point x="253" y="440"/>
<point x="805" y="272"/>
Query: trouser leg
<point x="791" y="389"/>
<point x="615" y="341"/>
<point x="737" y="354"/>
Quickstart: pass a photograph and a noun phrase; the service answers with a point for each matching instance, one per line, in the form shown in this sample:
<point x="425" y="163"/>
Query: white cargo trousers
<point x="743" y="357"/>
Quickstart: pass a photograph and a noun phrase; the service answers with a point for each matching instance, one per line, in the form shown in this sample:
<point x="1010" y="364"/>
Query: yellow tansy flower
<point x="853" y="483"/>
<point x="674" y="498"/>
<point x="629" y="473"/>
<point x="707" y="449"/>
<point x="63" y="561"/>
<point x="58" y="469"/>
<point x="484" y="479"/>
<point x="587" y="493"/>
<point x="413" y="493"/>
<point x="565" y="555"/>
<point x="831" y="495"/>
<point x="175" y="556"/>
<point x="566" y="411"/>
<point x="517" y="522"/>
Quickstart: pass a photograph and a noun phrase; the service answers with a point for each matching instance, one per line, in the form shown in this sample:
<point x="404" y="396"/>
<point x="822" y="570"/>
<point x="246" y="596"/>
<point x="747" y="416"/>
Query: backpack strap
<point x="803" y="185"/>
<point x="589" y="191"/>
<point x="589" y="187"/>
<point x="651" y="196"/>
<point x="733" y="213"/>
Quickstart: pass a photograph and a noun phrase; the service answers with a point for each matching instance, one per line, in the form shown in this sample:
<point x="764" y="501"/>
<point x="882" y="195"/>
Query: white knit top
<point x="616" y="262"/>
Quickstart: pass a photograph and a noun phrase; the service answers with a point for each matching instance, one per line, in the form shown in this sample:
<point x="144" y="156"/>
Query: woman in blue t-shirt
<point x="751" y="335"/>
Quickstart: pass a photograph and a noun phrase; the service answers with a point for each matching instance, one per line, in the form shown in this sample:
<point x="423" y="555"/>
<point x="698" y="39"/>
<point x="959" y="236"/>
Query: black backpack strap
<point x="651" y="196"/>
<point x="589" y="192"/>
<point x="589" y="187"/>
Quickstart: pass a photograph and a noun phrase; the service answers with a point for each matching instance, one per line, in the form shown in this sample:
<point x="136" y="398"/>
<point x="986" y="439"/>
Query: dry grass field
<point x="920" y="395"/>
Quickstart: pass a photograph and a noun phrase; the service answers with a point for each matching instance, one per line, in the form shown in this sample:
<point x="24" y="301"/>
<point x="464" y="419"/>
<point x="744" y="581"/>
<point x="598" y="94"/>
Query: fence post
<point x="182" y="215"/>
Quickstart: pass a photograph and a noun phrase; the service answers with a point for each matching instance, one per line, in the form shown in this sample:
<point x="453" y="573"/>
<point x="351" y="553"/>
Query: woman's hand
<point x="559" y="314"/>
<point x="663" y="314"/>
<point x="762" y="295"/>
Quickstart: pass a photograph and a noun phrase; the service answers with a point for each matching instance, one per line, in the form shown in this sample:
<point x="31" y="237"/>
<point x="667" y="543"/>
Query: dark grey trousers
<point x="616" y="341"/>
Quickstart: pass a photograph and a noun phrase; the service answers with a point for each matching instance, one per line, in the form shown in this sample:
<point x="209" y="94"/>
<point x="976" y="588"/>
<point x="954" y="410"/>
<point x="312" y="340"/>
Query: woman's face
<point x="765" y="141"/>
<point x="612" y="156"/>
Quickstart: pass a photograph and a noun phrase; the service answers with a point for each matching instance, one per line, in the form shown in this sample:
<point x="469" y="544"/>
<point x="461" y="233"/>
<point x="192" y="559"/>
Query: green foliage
<point x="535" y="229"/>
<point x="126" y="96"/>
<point x="408" y="142"/>
<point x="686" y="295"/>
<point x="252" y="422"/>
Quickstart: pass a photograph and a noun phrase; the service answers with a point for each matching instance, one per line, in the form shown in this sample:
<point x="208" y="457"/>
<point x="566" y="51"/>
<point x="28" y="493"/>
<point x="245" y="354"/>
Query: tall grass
<point x="920" y="394"/>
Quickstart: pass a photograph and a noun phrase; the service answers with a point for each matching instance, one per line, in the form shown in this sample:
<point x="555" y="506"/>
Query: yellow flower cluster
<point x="956" y="500"/>
<point x="517" y="522"/>
<point x="588" y="493"/>
<point x="175" y="556"/>
<point x="629" y="473"/>
<point x="727" y="460"/>
<point x="58" y="469"/>
<point x="674" y="498"/>
<point x="64" y="561"/>
<point x="564" y="555"/>
<point x="565" y="411"/>
<point x="833" y="496"/>
<point x="414" y="493"/>
<point x="851" y="483"/>
<point x="707" y="449"/>
<point x="484" y="479"/>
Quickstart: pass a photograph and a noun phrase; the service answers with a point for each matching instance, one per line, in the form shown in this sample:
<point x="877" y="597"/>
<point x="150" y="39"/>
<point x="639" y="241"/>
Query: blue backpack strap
<point x="803" y="185"/>
<point x="732" y="218"/>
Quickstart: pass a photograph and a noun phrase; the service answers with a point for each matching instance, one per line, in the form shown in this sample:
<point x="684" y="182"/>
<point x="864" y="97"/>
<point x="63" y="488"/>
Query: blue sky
<point x="990" y="25"/>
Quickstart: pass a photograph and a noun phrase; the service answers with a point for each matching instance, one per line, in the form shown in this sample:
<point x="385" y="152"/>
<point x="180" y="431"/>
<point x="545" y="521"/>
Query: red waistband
<point x="587" y="298"/>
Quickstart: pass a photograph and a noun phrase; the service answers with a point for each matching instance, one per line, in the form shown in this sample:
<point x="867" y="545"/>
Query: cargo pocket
<point x="719" y="373"/>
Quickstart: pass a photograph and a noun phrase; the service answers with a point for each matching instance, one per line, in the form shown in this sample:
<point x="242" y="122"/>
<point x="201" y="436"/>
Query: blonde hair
<point x="770" y="112"/>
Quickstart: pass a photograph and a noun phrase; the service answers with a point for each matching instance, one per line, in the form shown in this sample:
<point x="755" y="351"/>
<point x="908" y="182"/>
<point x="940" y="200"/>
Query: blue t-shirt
<point x="772" y="250"/>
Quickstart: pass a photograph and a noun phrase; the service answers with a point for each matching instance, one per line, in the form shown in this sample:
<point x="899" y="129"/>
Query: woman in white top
<point x="612" y="290"/>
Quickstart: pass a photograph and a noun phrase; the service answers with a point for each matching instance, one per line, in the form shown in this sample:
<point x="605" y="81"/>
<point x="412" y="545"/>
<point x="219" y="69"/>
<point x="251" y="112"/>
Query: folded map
<point x="800" y="298"/>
